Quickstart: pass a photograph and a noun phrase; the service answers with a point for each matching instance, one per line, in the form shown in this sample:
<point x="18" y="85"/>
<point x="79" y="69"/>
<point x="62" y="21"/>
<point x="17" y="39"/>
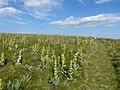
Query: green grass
<point x="100" y="70"/>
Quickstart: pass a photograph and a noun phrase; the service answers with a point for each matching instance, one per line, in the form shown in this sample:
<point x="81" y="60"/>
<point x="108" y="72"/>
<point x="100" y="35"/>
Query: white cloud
<point x="14" y="19"/>
<point x="40" y="8"/>
<point x="36" y="3"/>
<point x="36" y="12"/>
<point x="40" y="3"/>
<point x="8" y="10"/>
<point x="102" y="1"/>
<point x="91" y="20"/>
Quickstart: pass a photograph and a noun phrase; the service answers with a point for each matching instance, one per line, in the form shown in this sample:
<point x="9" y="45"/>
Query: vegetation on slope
<point x="44" y="62"/>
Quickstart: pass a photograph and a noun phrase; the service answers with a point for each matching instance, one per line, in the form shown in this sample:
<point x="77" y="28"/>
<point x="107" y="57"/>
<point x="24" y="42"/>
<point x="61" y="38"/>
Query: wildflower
<point x="1" y="84"/>
<point x="16" y="46"/>
<point x="3" y="60"/>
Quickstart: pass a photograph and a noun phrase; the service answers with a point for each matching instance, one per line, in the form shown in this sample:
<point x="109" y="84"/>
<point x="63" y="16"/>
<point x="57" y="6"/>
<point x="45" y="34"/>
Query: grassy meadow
<point x="54" y="62"/>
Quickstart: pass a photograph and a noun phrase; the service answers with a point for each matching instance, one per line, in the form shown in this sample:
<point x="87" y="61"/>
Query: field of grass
<point x="46" y="62"/>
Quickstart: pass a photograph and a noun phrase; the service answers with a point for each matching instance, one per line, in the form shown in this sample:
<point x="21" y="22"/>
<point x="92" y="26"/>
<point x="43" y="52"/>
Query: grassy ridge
<point x="100" y="70"/>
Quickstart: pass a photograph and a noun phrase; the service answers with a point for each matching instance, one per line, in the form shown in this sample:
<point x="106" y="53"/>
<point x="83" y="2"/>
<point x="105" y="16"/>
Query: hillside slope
<point x="58" y="63"/>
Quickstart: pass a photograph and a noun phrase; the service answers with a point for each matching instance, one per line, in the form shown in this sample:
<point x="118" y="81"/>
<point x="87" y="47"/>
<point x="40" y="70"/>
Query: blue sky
<point x="98" y="18"/>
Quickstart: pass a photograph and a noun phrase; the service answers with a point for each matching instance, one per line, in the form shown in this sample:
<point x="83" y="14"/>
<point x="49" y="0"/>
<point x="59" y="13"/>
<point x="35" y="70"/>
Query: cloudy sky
<point x="98" y="18"/>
